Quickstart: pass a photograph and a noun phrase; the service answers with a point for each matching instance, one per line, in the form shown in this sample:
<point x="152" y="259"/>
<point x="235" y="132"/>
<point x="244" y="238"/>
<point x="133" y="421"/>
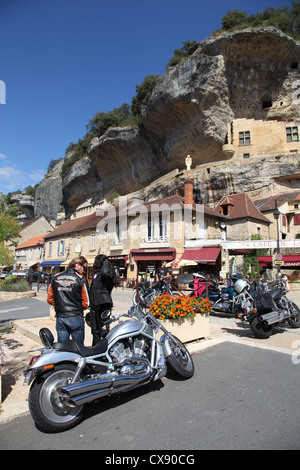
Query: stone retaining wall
<point x="15" y="295"/>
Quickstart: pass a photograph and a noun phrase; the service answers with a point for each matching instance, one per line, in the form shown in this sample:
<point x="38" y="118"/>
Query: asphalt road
<point x="239" y="398"/>
<point x="22" y="308"/>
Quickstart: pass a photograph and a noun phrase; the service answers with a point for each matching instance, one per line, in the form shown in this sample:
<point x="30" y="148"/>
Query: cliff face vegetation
<point x="243" y="74"/>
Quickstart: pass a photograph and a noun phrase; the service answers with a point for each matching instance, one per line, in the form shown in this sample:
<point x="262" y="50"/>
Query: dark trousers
<point x="98" y="327"/>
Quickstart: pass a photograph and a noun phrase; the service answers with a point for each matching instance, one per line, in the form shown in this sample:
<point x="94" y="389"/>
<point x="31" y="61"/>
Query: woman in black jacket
<point x="100" y="296"/>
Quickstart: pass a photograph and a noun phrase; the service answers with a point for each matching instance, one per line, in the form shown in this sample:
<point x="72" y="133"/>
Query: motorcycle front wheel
<point x="180" y="360"/>
<point x="260" y="330"/>
<point x="47" y="407"/>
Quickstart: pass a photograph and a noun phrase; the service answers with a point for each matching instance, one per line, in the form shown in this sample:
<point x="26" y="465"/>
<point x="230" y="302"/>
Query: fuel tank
<point x="127" y="327"/>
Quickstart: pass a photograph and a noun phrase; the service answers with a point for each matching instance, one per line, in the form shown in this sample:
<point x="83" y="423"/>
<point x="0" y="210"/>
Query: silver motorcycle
<point x="66" y="376"/>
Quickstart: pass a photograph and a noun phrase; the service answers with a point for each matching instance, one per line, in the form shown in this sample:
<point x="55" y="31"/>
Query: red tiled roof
<point x="38" y="240"/>
<point x="268" y="204"/>
<point x="76" y="225"/>
<point x="241" y="206"/>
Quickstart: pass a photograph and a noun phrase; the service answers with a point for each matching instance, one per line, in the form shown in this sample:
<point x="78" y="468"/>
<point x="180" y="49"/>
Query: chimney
<point x="188" y="191"/>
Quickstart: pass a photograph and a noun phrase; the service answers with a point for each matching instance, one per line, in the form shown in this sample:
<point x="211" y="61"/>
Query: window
<point x="244" y="138"/>
<point x="50" y="249"/>
<point x="151" y="228"/>
<point x="246" y="155"/>
<point x="297" y="219"/>
<point x="292" y="134"/>
<point x="118" y="235"/>
<point x="58" y="247"/>
<point x="93" y="241"/>
<point x="162" y="228"/>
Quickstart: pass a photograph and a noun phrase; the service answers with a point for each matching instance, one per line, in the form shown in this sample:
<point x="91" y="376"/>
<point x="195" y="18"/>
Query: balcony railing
<point x="156" y="239"/>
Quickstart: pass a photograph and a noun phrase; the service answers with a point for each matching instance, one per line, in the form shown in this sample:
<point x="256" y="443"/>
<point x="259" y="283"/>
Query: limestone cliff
<point x="246" y="74"/>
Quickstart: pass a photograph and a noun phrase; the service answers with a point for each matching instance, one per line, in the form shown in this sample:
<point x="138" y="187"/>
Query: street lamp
<point x="276" y="215"/>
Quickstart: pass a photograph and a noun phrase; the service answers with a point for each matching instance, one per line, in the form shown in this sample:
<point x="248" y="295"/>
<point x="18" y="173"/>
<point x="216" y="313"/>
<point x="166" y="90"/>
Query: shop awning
<point x="289" y="261"/>
<point x="265" y="261"/>
<point x="206" y="255"/>
<point x="118" y="258"/>
<point x="155" y="254"/>
<point x="46" y="264"/>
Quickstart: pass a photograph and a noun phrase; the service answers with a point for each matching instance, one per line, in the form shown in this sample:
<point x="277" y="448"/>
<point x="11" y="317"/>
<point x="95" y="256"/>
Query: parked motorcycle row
<point x="139" y="350"/>
<point x="262" y="305"/>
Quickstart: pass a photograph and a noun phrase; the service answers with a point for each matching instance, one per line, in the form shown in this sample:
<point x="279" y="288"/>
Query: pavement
<point x="23" y="337"/>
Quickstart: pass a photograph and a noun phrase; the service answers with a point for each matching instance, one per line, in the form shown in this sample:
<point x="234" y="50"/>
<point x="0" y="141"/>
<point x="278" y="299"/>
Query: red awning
<point x="288" y="261"/>
<point x="207" y="255"/>
<point x="155" y="254"/>
<point x="265" y="261"/>
<point x="291" y="260"/>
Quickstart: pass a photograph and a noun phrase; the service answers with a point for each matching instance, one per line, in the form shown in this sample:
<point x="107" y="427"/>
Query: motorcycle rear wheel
<point x="260" y="330"/>
<point x="180" y="360"/>
<point x="295" y="321"/>
<point x="49" y="411"/>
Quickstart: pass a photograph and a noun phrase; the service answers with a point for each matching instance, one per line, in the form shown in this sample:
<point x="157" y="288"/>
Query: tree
<point x="142" y="91"/>
<point x="284" y="18"/>
<point x="234" y="18"/>
<point x="251" y="260"/>
<point x="52" y="164"/>
<point x="186" y="50"/>
<point x="6" y="258"/>
<point x="118" y="117"/>
<point x="9" y="230"/>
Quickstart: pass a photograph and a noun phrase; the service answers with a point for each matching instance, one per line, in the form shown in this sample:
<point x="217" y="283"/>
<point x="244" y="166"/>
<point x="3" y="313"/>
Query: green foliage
<point x="52" y="164"/>
<point x="114" y="196"/>
<point x="6" y="259"/>
<point x="294" y="276"/>
<point x="123" y="116"/>
<point x="96" y="127"/>
<point x="186" y="50"/>
<point x="13" y="284"/>
<point x="9" y="227"/>
<point x="234" y="18"/>
<point x="251" y="264"/>
<point x="30" y="190"/>
<point x="284" y="18"/>
<point x="142" y="91"/>
<point x="118" y="117"/>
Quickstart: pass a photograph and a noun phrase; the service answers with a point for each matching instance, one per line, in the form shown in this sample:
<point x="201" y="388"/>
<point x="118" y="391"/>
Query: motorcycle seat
<point x="78" y="348"/>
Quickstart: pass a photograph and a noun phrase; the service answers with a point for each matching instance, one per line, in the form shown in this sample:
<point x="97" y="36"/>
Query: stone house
<point x="137" y="237"/>
<point x="240" y="220"/>
<point x="71" y="239"/>
<point x="250" y="138"/>
<point x="289" y="220"/>
<point x="30" y="254"/>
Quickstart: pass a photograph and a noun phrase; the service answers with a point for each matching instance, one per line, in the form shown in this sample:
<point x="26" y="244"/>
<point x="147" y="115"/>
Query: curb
<point x="27" y="329"/>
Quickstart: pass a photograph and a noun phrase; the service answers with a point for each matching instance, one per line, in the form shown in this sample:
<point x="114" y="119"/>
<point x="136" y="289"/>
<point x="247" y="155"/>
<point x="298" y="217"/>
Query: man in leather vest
<point x="68" y="293"/>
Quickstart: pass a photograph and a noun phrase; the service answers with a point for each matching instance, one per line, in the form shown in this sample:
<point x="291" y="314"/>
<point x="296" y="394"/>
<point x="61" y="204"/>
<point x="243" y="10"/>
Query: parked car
<point x="3" y="275"/>
<point x="20" y="273"/>
<point x="36" y="276"/>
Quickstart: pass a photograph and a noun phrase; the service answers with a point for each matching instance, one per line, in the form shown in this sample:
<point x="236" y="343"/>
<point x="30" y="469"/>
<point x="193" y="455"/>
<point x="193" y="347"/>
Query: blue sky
<point x="61" y="61"/>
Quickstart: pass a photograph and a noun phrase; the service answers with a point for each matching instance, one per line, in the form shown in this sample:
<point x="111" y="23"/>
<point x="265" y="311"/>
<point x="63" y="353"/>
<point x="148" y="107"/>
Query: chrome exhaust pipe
<point x="89" y="390"/>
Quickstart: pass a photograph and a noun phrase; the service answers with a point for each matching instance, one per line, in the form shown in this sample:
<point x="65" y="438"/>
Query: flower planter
<point x="294" y="285"/>
<point x="188" y="329"/>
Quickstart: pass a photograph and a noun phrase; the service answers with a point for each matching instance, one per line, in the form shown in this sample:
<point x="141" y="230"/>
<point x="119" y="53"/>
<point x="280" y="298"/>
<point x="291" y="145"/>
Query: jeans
<point x="73" y="326"/>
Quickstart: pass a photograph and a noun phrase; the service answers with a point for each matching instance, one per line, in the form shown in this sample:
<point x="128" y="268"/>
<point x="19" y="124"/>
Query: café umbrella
<point x="178" y="263"/>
